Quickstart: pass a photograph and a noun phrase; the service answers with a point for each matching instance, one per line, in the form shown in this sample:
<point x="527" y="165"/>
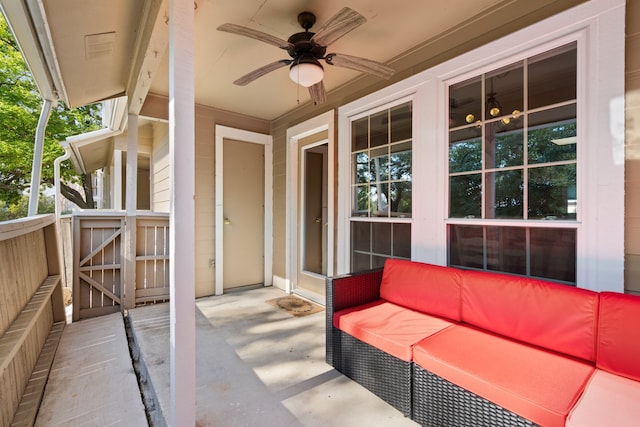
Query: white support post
<point x="129" y="281"/>
<point x="116" y="188"/>
<point x="182" y="213"/>
<point x="132" y="165"/>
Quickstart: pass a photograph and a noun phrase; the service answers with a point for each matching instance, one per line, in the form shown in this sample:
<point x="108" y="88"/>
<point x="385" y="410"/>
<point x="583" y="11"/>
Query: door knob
<point x="318" y="220"/>
<point x="227" y="221"/>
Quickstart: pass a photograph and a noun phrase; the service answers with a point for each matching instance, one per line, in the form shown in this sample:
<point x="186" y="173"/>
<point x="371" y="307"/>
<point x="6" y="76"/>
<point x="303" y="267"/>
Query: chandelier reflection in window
<point x="494" y="109"/>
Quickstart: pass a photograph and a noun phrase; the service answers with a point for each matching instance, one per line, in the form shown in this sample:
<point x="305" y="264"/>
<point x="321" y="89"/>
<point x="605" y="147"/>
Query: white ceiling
<point x="392" y="27"/>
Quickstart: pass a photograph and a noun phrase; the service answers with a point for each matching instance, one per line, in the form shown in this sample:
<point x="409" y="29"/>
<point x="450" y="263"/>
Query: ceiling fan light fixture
<point x="307" y="72"/>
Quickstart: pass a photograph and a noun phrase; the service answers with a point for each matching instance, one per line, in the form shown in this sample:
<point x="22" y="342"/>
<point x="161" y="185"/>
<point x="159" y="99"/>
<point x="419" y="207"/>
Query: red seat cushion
<point x="550" y="315"/>
<point x="389" y="327"/>
<point x="609" y="400"/>
<point x="422" y="287"/>
<point x="619" y="335"/>
<point x="534" y="383"/>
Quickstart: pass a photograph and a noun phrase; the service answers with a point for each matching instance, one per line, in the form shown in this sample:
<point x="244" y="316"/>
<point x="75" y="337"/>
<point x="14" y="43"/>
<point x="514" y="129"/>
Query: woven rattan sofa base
<point x="440" y="403"/>
<point x="386" y="376"/>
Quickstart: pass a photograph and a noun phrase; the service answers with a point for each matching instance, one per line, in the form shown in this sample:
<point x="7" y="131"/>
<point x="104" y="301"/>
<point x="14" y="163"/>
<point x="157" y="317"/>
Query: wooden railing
<point x="31" y="314"/>
<point x="106" y="278"/>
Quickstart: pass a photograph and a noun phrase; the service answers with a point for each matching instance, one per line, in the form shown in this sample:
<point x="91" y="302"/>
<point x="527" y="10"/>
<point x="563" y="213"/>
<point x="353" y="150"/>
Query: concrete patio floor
<point x="256" y="365"/>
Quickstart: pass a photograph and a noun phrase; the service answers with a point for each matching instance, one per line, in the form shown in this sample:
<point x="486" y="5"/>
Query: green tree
<point x="46" y="204"/>
<point x="20" y="105"/>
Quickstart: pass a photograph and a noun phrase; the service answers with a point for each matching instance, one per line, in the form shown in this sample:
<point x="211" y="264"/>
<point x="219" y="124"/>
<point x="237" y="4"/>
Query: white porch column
<point x="130" y="215"/>
<point x="182" y="213"/>
<point x="116" y="179"/>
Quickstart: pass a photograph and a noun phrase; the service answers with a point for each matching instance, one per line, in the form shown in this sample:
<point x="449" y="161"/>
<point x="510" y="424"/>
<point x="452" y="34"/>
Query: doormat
<point x="295" y="306"/>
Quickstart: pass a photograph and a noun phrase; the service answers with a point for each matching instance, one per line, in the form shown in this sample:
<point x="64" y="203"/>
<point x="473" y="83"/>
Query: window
<point x="513" y="150"/>
<point x="517" y="158"/>
<point x="381" y="186"/>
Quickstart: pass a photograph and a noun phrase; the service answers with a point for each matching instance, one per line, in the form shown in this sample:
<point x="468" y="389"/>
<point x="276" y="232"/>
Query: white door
<point x="243" y="225"/>
<point x="243" y="211"/>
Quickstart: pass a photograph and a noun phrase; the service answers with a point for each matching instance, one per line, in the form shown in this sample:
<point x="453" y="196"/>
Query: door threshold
<point x="311" y="296"/>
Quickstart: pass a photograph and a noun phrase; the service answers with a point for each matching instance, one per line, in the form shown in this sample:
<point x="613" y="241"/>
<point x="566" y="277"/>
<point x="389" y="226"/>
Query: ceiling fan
<point x="306" y="49"/>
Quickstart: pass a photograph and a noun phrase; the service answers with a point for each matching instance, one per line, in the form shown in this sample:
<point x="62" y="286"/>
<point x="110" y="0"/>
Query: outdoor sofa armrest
<point x="348" y="290"/>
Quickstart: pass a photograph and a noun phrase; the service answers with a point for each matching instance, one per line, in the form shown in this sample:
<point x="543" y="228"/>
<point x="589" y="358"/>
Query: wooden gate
<point x="100" y="284"/>
<point x="152" y="259"/>
<point x="97" y="278"/>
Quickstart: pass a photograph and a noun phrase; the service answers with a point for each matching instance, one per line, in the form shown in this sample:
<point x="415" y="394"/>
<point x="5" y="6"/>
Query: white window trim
<point x="598" y="26"/>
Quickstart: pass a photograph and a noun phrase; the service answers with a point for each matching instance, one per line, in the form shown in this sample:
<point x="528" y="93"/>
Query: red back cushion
<point x="619" y="335"/>
<point x="550" y="315"/>
<point x="427" y="288"/>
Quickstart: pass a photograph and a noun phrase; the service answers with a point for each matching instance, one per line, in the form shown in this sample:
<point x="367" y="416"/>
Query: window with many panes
<point x="513" y="150"/>
<point x="381" y="187"/>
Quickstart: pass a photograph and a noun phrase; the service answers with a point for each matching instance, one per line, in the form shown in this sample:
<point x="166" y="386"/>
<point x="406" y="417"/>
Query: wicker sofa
<point x="450" y="347"/>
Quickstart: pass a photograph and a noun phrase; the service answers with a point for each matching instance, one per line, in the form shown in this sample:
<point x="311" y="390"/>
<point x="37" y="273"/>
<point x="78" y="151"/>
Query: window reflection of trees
<point x="517" y="164"/>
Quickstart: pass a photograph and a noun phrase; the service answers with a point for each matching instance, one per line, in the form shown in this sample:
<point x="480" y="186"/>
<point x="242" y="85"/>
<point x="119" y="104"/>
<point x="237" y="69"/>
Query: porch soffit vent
<point x="99" y="45"/>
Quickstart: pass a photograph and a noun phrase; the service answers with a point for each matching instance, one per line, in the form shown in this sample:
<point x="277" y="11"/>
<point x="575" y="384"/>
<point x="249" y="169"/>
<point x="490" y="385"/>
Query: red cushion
<point x="534" y="383"/>
<point x="609" y="400"/>
<point x="389" y="327"/>
<point x="550" y="315"/>
<point x="422" y="287"/>
<point x="619" y="334"/>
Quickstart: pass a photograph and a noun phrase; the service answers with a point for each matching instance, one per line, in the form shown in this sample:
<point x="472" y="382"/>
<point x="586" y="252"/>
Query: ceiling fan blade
<point x="248" y="78"/>
<point x="255" y="34"/>
<point x="360" y="64"/>
<point x="337" y="26"/>
<point x="317" y="92"/>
